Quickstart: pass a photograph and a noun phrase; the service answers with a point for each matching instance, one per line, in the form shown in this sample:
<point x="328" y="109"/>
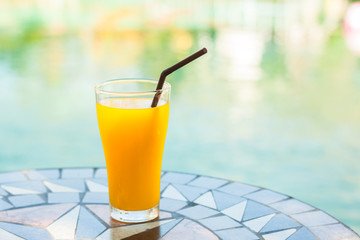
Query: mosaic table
<point x="73" y="204"/>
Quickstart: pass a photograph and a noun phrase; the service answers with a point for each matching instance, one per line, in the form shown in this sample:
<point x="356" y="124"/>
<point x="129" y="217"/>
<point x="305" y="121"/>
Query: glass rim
<point x="99" y="90"/>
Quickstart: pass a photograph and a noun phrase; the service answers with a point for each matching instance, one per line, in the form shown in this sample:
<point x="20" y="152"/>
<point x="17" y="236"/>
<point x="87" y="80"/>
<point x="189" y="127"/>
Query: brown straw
<point x="171" y="69"/>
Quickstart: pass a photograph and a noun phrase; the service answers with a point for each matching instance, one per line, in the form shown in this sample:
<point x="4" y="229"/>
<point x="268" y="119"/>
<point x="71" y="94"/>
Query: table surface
<point x="72" y="203"/>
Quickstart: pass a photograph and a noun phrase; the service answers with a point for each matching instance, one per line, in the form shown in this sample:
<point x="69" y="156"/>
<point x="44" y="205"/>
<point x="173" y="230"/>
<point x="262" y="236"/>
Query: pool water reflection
<point x="275" y="106"/>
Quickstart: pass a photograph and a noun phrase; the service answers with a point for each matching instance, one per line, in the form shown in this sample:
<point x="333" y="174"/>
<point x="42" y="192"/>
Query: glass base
<point x="134" y="216"/>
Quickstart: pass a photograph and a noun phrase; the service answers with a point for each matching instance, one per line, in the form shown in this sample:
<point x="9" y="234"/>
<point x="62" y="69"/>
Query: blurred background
<point x="274" y="103"/>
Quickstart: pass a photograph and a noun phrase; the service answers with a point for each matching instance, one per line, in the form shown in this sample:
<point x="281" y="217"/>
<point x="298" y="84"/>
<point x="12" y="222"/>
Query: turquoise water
<point x="264" y="106"/>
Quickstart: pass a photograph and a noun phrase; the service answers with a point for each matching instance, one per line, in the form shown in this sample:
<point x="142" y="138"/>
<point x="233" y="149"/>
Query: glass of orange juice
<point x="133" y="138"/>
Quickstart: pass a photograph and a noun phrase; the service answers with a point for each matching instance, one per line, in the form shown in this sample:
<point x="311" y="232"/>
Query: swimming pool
<point x="257" y="108"/>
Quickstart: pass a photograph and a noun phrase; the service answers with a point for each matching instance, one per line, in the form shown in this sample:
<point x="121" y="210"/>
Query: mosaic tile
<point x="191" y="193"/>
<point x="256" y="210"/>
<point x="333" y="232"/>
<point x="65" y="185"/>
<point x="291" y="206"/>
<point x="315" y="218"/>
<point x="279" y="222"/>
<point x="224" y="200"/>
<point x="101" y="173"/>
<point x="130" y="230"/>
<point x="63" y="197"/>
<point x="236" y="234"/>
<point x="197" y="212"/>
<point x="188" y="229"/>
<point x="171" y="192"/>
<point x="238" y="189"/>
<point x="29" y="187"/>
<point x="236" y="211"/>
<point x="266" y="196"/>
<point x="282" y="235"/>
<point x="64" y="227"/>
<point x="77" y="173"/>
<point x="4" y="205"/>
<point x="26" y="200"/>
<point x="12" y="177"/>
<point x="207" y="182"/>
<point x="41" y="216"/>
<point x="163" y="186"/>
<point x="43" y="174"/>
<point x="172" y="205"/>
<point x="96" y="197"/>
<point x="95" y="185"/>
<point x="27" y="232"/>
<point x="88" y="226"/>
<point x="302" y="234"/>
<point x="241" y="204"/>
<point x="217" y="223"/>
<point x="207" y="200"/>
<point x="8" y="236"/>
<point x="180" y="178"/>
<point x="3" y="192"/>
<point x="258" y="223"/>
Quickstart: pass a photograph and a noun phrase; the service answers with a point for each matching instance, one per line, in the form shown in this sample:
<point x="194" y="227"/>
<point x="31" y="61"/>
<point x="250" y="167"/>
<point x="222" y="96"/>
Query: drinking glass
<point x="133" y="138"/>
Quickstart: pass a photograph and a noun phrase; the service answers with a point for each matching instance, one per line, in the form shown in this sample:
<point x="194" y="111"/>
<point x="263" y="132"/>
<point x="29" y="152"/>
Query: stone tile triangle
<point x="8" y="236"/>
<point x="96" y="187"/>
<point x="165" y="228"/>
<point x="220" y="222"/>
<point x="30" y="186"/>
<point x="41" y="216"/>
<point x="173" y="193"/>
<point x="279" y="222"/>
<point x="130" y="230"/>
<point x="237" y="211"/>
<point x="59" y="188"/>
<point x="64" y="227"/>
<point x="17" y="190"/>
<point x="26" y="232"/>
<point x="188" y="229"/>
<point x="103" y="212"/>
<point x="236" y="234"/>
<point x="258" y="223"/>
<point x="282" y="235"/>
<point x="224" y="200"/>
<point x="198" y="212"/>
<point x="190" y="192"/>
<point x="256" y="210"/>
<point x="88" y="226"/>
<point x="171" y="205"/>
<point x="206" y="199"/>
<point x="302" y="234"/>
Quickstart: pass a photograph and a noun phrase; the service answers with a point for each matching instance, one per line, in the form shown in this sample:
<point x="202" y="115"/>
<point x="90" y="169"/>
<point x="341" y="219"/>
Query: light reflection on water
<point x="275" y="109"/>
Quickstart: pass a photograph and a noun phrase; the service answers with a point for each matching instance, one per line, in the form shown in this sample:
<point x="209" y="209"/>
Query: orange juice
<point x="133" y="137"/>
